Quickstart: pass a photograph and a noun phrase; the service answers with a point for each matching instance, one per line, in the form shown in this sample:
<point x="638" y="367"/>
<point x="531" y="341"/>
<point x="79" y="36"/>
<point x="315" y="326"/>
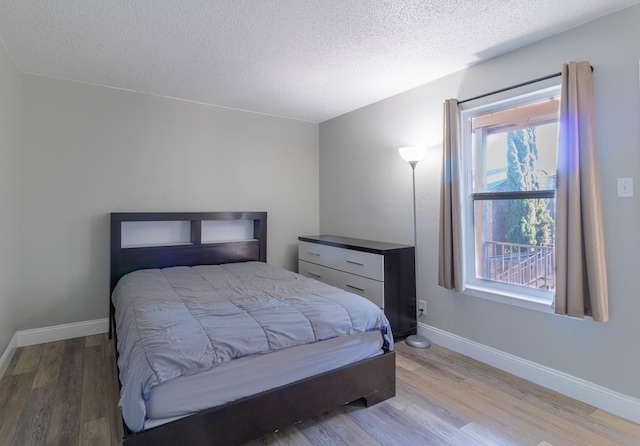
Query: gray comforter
<point x="183" y="320"/>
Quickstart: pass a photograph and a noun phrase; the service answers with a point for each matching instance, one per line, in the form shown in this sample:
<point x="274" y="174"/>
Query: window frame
<point x="537" y="299"/>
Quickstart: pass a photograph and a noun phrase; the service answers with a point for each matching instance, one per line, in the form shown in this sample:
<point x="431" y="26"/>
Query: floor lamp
<point x="412" y="155"/>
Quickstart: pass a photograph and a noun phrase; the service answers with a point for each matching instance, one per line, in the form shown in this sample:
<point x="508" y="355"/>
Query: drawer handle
<point x="355" y="288"/>
<point x="353" y="262"/>
<point x="313" y="253"/>
<point x="314" y="274"/>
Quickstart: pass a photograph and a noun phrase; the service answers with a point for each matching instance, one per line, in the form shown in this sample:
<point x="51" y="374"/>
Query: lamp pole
<point x="413" y="155"/>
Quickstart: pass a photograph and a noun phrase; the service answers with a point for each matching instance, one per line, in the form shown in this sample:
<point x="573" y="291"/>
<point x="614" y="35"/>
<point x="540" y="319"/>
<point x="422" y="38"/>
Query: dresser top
<point x="353" y="243"/>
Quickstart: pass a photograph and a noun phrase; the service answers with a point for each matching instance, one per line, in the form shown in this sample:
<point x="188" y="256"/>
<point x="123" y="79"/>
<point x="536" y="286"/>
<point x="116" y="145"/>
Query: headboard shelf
<point x="154" y="245"/>
<point x="189" y="249"/>
<point x="218" y="242"/>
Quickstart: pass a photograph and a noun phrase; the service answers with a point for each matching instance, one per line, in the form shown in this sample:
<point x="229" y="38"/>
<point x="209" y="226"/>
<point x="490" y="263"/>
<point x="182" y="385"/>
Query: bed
<point x="318" y="377"/>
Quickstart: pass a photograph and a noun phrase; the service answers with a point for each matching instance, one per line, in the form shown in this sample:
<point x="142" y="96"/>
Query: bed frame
<point x="252" y="417"/>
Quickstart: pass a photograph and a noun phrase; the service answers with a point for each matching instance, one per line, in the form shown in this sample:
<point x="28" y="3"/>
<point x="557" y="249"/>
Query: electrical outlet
<point x="422" y="307"/>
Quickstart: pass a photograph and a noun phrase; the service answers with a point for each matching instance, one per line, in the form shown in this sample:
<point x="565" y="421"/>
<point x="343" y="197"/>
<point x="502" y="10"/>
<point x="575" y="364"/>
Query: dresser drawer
<point x="365" y="287"/>
<point x="356" y="262"/>
<point x="361" y="263"/>
<point x="318" y="254"/>
<point x="315" y="271"/>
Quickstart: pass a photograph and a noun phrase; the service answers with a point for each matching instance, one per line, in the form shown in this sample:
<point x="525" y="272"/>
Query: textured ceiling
<point x="303" y="59"/>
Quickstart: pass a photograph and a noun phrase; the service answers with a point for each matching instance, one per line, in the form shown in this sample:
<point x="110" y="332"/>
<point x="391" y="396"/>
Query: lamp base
<point x="417" y="341"/>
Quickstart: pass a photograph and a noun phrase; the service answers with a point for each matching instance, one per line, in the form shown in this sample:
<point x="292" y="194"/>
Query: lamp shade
<point x="412" y="153"/>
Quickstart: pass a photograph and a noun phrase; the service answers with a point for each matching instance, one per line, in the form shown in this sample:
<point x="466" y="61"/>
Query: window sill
<point x="519" y="300"/>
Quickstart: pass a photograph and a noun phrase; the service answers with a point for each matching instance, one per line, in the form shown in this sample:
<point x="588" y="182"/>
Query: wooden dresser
<point x="382" y="272"/>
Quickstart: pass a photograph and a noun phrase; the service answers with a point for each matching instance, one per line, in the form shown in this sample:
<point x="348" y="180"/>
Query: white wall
<point x="10" y="105"/>
<point x="365" y="191"/>
<point x="88" y="151"/>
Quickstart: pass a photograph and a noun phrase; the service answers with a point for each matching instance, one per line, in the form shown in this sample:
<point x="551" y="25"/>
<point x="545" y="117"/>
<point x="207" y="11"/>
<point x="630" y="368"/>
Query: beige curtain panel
<point x="581" y="287"/>
<point x="450" y="250"/>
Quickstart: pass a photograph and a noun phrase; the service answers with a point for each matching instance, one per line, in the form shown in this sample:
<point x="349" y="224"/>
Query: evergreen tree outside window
<point x="528" y="222"/>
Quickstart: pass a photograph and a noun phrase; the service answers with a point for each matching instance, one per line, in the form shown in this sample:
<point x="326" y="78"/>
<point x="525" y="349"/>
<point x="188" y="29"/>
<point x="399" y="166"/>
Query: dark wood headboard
<point x="127" y="259"/>
<point x="195" y="252"/>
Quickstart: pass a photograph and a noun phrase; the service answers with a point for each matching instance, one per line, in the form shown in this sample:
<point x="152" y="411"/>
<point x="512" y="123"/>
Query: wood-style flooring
<point x="65" y="393"/>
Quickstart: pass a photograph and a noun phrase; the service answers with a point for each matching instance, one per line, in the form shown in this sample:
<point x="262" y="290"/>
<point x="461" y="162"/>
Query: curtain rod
<point x="533" y="81"/>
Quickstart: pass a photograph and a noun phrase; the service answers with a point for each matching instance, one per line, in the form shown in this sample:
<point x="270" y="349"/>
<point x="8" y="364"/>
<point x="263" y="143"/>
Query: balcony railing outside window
<point x="525" y="265"/>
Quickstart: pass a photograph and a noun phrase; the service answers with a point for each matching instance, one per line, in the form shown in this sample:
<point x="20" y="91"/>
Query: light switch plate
<point x="625" y="187"/>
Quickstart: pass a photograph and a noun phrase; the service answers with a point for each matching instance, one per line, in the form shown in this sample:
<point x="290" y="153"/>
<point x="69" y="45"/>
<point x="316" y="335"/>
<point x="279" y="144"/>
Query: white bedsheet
<point x="247" y="376"/>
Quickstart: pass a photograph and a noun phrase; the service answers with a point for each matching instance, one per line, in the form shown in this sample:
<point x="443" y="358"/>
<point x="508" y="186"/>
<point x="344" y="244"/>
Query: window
<point x="509" y="169"/>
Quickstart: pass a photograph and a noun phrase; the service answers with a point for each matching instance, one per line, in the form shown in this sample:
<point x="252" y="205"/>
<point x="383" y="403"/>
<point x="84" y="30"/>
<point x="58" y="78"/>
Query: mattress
<point x="250" y="375"/>
<point x="177" y="323"/>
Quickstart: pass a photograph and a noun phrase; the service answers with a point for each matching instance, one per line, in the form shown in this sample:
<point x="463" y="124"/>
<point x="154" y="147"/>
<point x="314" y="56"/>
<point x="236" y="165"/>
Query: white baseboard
<point x="50" y="334"/>
<point x="606" y="399"/>
<point x="60" y="332"/>
<point x="8" y="354"/>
